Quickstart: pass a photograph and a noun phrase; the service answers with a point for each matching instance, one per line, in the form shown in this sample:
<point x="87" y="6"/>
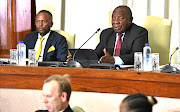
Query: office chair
<point x="110" y="18"/>
<point x="77" y="109"/>
<point x="70" y="38"/>
<point x="159" y="35"/>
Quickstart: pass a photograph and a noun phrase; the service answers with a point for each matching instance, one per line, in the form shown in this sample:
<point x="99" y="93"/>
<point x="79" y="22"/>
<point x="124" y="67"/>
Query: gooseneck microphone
<point x="73" y="63"/>
<point x="85" y="43"/>
<point x="168" y="68"/>
<point x="172" y="55"/>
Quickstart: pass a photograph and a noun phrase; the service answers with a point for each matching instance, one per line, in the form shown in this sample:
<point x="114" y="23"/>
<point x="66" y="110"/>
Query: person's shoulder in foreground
<point x="68" y="109"/>
<point x="137" y="103"/>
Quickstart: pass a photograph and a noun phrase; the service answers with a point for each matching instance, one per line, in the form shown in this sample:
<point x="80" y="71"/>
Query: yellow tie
<point x="38" y="52"/>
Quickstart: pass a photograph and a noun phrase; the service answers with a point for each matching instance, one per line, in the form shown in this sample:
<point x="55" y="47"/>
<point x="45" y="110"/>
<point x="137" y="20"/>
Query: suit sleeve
<point x="99" y="48"/>
<point x="62" y="49"/>
<point x="28" y="42"/>
<point x="104" y="36"/>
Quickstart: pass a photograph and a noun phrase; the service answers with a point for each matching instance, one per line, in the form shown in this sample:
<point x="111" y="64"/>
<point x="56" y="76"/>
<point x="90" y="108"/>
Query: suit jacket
<point x="134" y="41"/>
<point x="55" y="39"/>
<point x="68" y="109"/>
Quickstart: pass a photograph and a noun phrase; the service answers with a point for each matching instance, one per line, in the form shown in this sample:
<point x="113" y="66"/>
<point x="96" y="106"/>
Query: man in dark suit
<point x="133" y="38"/>
<point x="53" y="45"/>
<point x="56" y="93"/>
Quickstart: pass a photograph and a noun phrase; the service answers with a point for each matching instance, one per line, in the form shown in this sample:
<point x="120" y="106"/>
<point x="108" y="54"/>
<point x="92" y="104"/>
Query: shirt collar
<point x="122" y="37"/>
<point x="45" y="36"/>
<point x="62" y="110"/>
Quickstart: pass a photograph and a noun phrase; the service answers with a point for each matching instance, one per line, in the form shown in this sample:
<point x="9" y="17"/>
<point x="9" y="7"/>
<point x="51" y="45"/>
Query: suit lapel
<point x="111" y="43"/>
<point x="33" y="40"/>
<point x="48" y="44"/>
<point x="125" y="43"/>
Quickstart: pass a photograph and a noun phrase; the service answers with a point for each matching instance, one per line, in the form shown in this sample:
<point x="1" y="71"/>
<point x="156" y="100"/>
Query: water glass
<point x="32" y="57"/>
<point x="138" y="61"/>
<point x="155" y="61"/>
<point x="13" y="57"/>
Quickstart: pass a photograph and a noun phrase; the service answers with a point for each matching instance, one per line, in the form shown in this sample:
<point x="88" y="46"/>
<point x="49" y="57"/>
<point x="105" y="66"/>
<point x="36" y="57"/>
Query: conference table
<point x="95" y="80"/>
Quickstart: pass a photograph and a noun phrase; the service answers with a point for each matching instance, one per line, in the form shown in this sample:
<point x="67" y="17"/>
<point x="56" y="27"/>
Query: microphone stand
<point x="168" y="68"/>
<point x="73" y="63"/>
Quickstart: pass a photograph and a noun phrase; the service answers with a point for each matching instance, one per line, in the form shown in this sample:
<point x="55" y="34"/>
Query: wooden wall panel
<point x="3" y="25"/>
<point x="23" y="18"/>
<point x="6" y="27"/>
<point x="15" y="23"/>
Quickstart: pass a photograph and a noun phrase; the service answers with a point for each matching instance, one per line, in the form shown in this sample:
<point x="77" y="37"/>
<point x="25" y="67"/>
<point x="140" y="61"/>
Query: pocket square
<point x="52" y="48"/>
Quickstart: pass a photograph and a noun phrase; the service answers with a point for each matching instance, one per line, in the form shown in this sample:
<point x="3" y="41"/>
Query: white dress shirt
<point x="62" y="110"/>
<point x="43" y="45"/>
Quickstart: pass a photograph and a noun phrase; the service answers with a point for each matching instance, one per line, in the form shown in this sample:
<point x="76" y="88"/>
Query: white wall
<point x="54" y="6"/>
<point x="21" y="100"/>
<point x="84" y="17"/>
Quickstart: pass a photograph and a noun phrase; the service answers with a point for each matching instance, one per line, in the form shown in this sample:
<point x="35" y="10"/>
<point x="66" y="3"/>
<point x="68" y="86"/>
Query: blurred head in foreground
<point x="56" y="92"/>
<point x="137" y="103"/>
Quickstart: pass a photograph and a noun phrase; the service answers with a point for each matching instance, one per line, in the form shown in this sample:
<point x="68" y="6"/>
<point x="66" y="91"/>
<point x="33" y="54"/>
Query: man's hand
<point x="69" y="57"/>
<point x="107" y="58"/>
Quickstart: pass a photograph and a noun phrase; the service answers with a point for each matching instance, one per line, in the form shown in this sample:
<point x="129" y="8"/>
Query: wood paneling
<point x="15" y="23"/>
<point x="95" y="80"/>
<point x="3" y="24"/>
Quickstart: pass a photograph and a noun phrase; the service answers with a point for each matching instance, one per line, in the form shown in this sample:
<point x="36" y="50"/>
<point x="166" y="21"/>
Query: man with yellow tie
<point x="49" y="45"/>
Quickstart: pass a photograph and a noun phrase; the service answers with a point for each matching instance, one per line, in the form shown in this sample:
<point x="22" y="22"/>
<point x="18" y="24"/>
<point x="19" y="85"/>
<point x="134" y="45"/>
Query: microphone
<point x="168" y="68"/>
<point x="73" y="63"/>
<point x="85" y="43"/>
<point x="172" y="55"/>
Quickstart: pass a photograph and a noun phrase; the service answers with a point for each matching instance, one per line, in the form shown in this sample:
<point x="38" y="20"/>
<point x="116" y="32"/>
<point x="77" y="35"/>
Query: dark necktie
<point x="118" y="46"/>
